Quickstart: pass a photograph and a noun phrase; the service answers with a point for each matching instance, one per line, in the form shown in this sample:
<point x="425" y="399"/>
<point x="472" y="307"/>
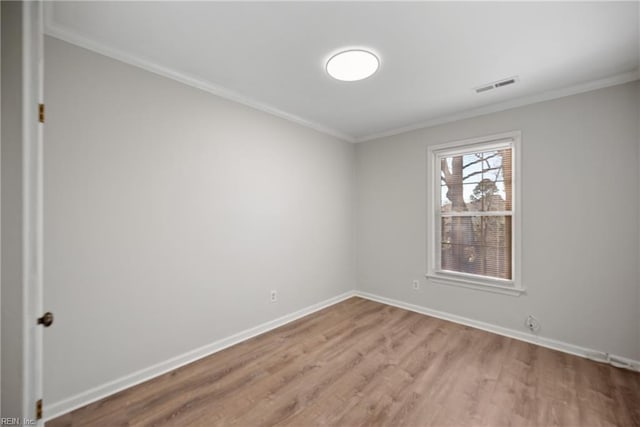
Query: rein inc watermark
<point x="9" y="421"/>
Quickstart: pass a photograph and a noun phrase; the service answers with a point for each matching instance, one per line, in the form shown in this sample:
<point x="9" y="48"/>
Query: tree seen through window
<point x="476" y="211"/>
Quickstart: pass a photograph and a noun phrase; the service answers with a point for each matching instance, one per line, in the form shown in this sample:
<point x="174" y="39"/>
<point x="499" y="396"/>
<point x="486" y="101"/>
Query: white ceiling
<point x="271" y="55"/>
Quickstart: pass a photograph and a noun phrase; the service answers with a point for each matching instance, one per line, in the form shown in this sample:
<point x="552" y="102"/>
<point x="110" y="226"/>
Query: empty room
<point x="320" y="213"/>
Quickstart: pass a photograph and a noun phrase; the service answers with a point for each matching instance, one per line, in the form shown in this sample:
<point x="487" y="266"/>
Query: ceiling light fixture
<point x="352" y="65"/>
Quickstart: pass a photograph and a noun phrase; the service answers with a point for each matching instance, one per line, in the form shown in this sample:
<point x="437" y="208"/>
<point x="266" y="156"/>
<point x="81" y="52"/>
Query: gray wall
<point x="11" y="178"/>
<point x="170" y="214"/>
<point x="580" y="219"/>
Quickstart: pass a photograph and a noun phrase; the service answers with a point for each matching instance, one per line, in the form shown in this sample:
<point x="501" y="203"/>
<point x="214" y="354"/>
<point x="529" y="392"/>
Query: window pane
<point x="472" y="165"/>
<point x="490" y="196"/>
<point x="476" y="182"/>
<point x="477" y="245"/>
<point x="464" y="202"/>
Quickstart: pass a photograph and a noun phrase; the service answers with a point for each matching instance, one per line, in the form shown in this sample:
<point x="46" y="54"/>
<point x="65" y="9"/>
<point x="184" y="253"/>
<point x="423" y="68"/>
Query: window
<point x="473" y="213"/>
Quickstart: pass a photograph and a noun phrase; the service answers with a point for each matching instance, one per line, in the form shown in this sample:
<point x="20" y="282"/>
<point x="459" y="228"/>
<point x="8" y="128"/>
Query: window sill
<point x="471" y="284"/>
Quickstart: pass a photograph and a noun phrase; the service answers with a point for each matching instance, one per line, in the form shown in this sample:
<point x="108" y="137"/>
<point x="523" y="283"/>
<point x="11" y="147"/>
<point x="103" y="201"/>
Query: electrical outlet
<point x="274" y="296"/>
<point x="532" y="323"/>
<point x="416" y="285"/>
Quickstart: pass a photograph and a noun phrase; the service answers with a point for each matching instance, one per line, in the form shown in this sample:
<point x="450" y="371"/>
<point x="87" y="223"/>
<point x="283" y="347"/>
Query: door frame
<point x="32" y="205"/>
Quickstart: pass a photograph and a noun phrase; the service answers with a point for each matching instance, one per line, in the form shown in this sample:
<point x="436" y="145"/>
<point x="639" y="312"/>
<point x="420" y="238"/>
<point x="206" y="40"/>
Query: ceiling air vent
<point x="495" y="85"/>
<point x="484" y="88"/>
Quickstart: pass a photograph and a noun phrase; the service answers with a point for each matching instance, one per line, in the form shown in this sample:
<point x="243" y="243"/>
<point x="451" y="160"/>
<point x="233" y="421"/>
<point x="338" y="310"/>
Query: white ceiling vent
<point x="495" y="85"/>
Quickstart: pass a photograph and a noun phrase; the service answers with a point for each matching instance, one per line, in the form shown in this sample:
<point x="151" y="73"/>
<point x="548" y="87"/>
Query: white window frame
<point x="473" y="281"/>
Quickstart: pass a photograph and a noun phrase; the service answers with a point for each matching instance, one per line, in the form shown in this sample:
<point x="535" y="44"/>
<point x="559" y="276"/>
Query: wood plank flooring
<point x="363" y="363"/>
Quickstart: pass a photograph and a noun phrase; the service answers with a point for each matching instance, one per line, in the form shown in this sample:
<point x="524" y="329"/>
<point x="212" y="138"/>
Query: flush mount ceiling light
<point x="352" y="65"/>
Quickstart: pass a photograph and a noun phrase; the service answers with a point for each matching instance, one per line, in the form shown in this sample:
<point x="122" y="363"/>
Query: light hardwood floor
<point x="364" y="363"/>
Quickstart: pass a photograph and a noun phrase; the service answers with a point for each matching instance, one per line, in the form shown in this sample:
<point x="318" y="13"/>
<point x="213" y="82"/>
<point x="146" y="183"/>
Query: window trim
<point x="509" y="287"/>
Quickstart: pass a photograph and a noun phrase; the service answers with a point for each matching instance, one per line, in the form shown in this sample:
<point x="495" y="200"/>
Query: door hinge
<point x="39" y="409"/>
<point x="41" y="113"/>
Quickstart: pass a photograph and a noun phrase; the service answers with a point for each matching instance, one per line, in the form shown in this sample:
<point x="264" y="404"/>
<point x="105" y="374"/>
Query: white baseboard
<point x="79" y="400"/>
<point x="62" y="407"/>
<point x="598" y="356"/>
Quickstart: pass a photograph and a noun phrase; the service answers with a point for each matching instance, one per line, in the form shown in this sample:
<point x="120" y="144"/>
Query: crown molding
<point x="58" y="32"/>
<point x="514" y="103"/>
